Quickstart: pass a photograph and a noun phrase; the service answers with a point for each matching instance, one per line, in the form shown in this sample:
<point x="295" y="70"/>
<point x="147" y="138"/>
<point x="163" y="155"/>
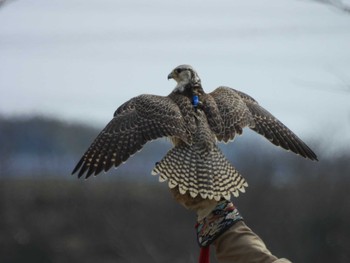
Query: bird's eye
<point x="178" y="70"/>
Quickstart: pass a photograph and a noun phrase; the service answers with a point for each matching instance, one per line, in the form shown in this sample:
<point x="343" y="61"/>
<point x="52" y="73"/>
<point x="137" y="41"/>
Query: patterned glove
<point x="224" y="215"/>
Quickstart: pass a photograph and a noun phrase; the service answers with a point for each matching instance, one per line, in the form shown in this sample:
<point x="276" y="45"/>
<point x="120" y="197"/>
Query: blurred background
<point x="65" y="66"/>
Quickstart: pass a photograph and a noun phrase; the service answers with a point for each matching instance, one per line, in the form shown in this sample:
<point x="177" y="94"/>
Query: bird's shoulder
<point x="227" y="92"/>
<point x="145" y="103"/>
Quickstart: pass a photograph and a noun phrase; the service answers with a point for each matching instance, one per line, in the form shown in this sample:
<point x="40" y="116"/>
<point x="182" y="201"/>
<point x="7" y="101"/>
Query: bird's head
<point x="184" y="75"/>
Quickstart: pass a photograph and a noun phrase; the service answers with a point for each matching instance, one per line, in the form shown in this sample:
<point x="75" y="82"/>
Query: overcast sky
<point x="81" y="59"/>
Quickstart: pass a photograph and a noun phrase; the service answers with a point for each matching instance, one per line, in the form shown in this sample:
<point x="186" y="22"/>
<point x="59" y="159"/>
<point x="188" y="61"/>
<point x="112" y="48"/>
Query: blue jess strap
<point x="195" y="100"/>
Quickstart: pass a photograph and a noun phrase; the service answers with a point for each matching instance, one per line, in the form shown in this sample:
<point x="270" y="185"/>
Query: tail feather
<point x="209" y="175"/>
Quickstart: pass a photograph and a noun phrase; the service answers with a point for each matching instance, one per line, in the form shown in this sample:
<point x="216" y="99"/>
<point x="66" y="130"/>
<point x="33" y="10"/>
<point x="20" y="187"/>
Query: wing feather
<point x="139" y="120"/>
<point x="234" y="113"/>
<point x="233" y="105"/>
<point x="279" y="134"/>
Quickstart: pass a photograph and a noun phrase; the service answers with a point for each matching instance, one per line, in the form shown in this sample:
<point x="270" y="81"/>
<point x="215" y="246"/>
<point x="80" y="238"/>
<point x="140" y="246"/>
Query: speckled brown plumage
<point x="195" y="166"/>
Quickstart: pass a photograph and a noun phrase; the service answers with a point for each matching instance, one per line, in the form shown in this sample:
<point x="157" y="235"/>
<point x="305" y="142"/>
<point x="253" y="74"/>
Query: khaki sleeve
<point x="239" y="244"/>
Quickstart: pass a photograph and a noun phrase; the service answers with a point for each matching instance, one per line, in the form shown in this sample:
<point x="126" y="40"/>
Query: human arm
<point x="221" y="225"/>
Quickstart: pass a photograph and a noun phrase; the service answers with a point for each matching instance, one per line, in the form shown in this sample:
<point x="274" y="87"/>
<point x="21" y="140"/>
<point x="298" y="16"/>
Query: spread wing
<point x="239" y="109"/>
<point x="234" y="113"/>
<point x="139" y="120"/>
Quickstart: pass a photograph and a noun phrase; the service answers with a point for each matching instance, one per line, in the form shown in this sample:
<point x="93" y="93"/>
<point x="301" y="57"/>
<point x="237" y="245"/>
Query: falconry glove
<point x="213" y="217"/>
<point x="221" y="218"/>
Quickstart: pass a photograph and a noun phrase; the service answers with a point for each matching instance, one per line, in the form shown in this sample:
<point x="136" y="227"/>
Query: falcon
<point x="195" y="121"/>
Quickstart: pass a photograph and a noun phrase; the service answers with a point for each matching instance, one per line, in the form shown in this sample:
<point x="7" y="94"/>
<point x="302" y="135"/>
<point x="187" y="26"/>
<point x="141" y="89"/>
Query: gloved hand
<point x="236" y="244"/>
<point x="213" y="217"/>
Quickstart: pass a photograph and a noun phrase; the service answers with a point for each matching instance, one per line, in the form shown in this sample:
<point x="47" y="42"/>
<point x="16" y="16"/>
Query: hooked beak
<point x="170" y="76"/>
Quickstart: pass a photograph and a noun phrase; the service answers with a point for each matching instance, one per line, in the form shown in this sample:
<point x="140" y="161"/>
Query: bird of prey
<point x="194" y="121"/>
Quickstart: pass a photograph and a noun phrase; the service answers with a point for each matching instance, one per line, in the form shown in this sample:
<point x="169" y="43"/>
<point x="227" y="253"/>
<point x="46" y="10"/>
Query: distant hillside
<point x="43" y="146"/>
<point x="34" y="144"/>
<point x="39" y="135"/>
<point x="40" y="146"/>
<point x="298" y="207"/>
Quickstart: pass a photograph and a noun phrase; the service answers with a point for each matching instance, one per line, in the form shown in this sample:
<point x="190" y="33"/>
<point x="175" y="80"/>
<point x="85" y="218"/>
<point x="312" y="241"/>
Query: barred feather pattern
<point x="234" y="113"/>
<point x="143" y="118"/>
<point x="239" y="110"/>
<point x="200" y="168"/>
<point x="195" y="166"/>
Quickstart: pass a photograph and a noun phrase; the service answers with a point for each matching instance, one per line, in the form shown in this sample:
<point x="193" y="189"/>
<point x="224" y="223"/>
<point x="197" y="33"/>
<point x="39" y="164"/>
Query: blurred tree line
<point x="301" y="209"/>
